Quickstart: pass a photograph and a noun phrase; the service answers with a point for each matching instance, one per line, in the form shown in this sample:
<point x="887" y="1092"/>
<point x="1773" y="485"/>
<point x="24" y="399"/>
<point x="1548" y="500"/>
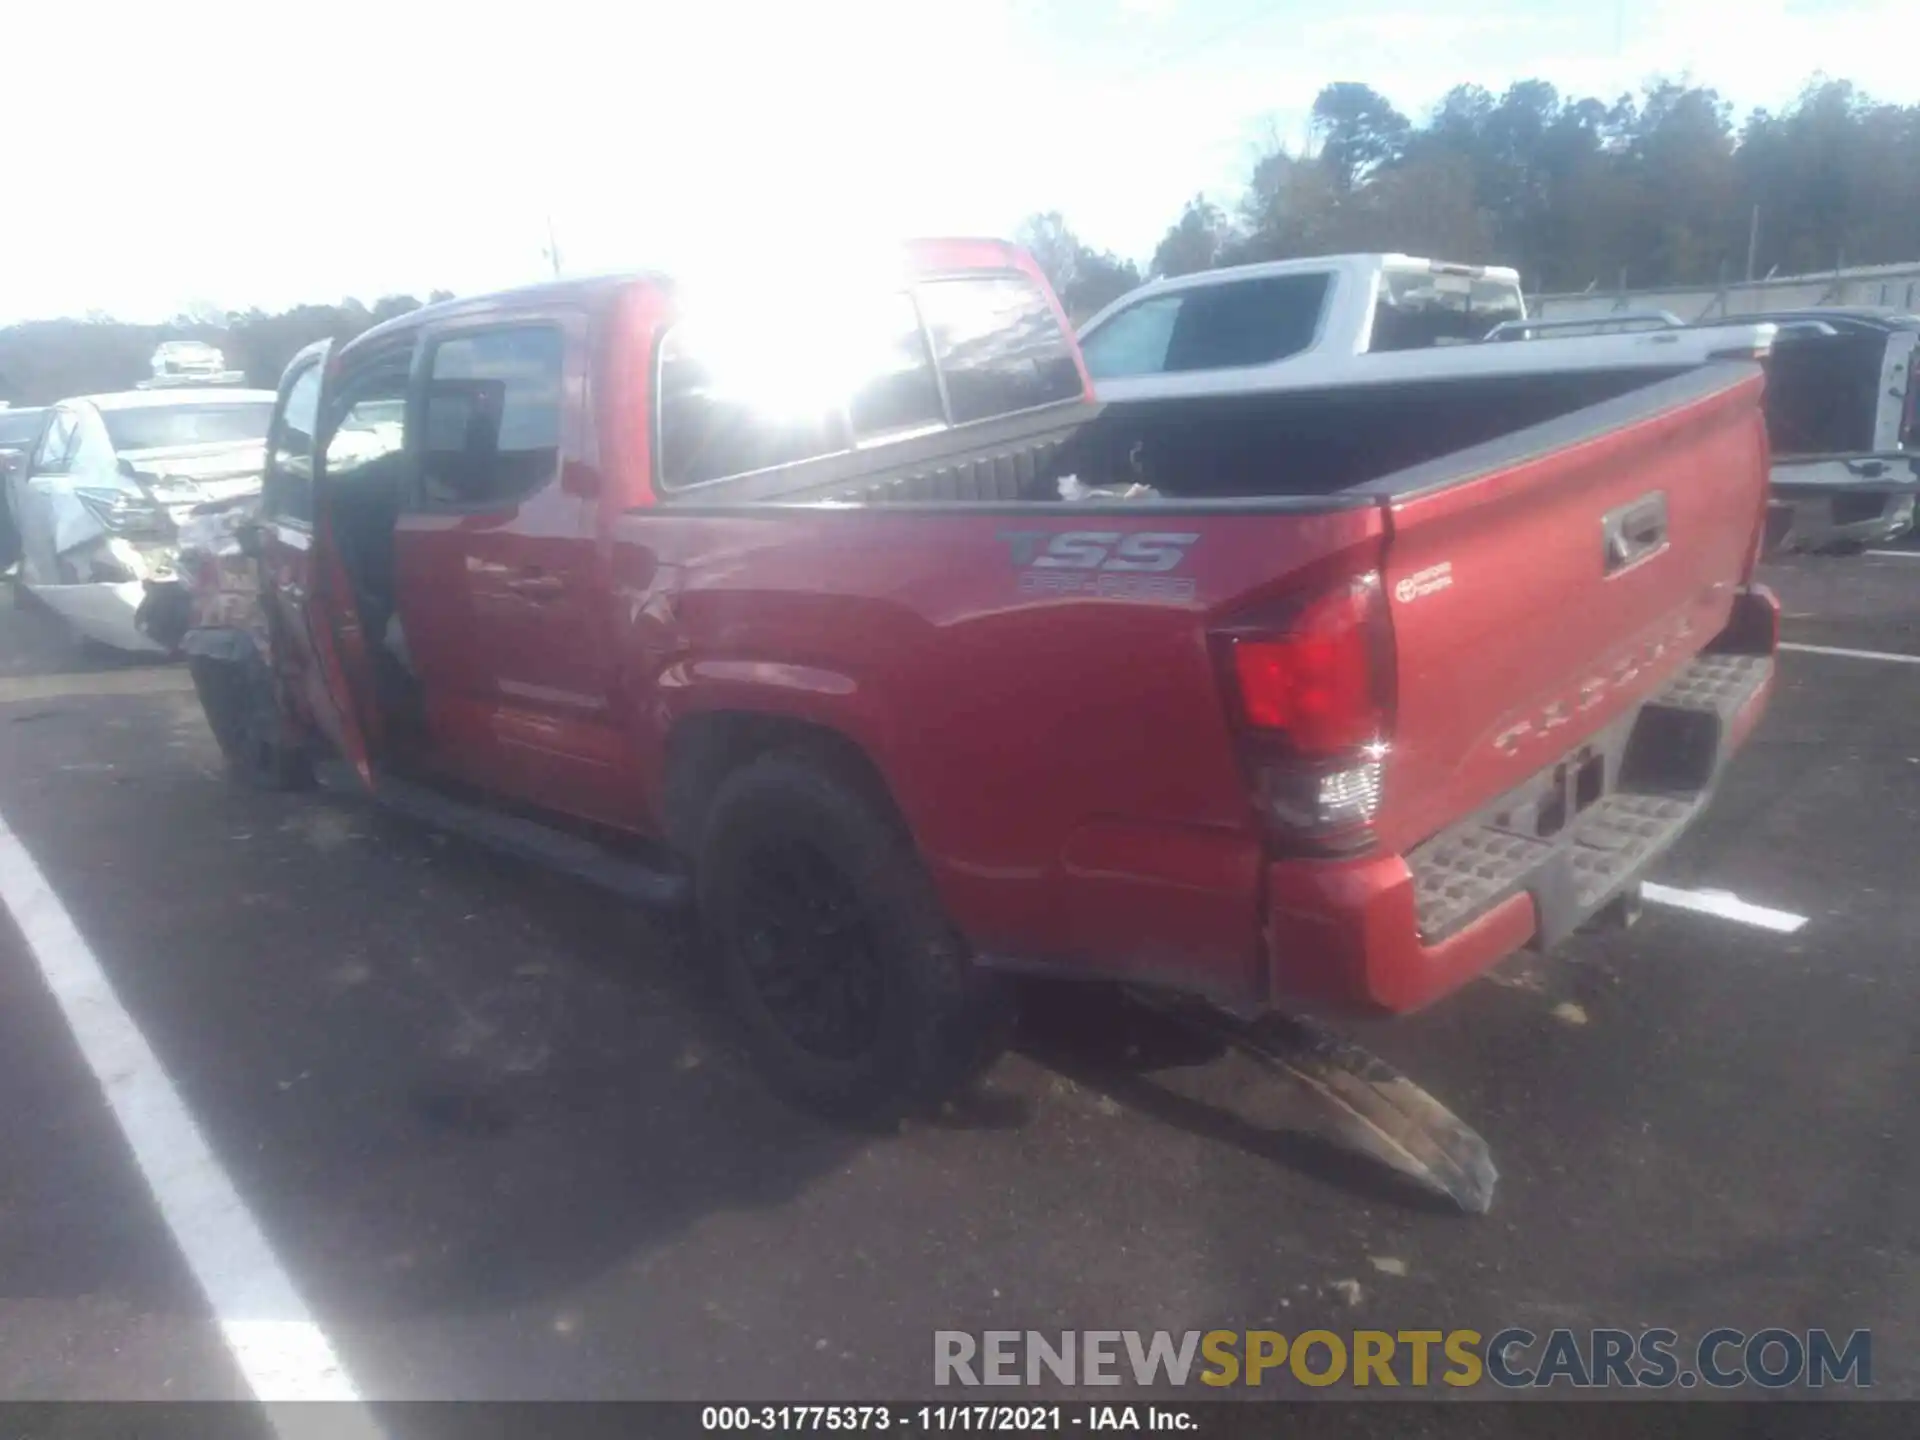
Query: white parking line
<point x="1892" y="656"/>
<point x="280" y="1349"/>
<point x="1896" y="554"/>
<point x="1724" y="904"/>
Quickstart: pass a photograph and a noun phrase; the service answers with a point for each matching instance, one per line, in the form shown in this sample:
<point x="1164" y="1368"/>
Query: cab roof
<point x="917" y="257"/>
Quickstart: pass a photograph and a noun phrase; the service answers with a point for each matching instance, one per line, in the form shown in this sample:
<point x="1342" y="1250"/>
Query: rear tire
<point x="858" y="998"/>
<point x="243" y="712"/>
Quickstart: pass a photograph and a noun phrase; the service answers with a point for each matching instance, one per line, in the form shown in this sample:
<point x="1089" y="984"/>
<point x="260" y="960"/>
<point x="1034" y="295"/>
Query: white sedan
<point x="99" y="504"/>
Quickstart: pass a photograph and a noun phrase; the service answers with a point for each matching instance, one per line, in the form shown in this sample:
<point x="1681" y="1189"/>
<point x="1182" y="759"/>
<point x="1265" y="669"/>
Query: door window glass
<point x="365" y="445"/>
<point x="493" y="413"/>
<point x="1133" y="342"/>
<point x="1219" y="326"/>
<point x="288" y="487"/>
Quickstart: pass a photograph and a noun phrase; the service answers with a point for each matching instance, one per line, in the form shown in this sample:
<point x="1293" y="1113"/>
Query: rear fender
<point x="757" y="701"/>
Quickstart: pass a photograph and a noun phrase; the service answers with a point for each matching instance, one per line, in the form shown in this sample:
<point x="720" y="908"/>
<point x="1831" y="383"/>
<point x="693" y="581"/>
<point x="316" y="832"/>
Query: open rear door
<point x="310" y="605"/>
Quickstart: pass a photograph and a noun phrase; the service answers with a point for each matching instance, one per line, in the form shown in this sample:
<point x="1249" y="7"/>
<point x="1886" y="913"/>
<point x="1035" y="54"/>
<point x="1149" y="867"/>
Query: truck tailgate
<point x="1543" y="585"/>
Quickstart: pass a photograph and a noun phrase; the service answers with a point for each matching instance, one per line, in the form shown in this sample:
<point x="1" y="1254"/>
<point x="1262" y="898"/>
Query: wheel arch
<point x="705" y="747"/>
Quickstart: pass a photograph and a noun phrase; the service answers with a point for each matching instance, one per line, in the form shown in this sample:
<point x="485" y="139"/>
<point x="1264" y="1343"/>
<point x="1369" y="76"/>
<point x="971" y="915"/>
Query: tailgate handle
<point x="1635" y="531"/>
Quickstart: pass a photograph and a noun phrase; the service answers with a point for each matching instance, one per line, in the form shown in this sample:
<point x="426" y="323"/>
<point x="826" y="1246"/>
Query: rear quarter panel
<point x="1063" y="759"/>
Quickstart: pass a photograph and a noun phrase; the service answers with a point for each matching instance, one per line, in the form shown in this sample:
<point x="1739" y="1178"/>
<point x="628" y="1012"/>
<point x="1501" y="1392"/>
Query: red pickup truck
<point x="775" y="601"/>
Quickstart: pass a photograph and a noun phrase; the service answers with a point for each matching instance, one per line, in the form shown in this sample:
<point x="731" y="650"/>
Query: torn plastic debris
<point x="1072" y="489"/>
<point x="213" y="607"/>
<point x="1376" y="1111"/>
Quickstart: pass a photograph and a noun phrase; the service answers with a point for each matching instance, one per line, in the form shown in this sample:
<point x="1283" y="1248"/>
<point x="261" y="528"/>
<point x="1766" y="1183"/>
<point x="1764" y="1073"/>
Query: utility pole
<point x="1753" y="243"/>
<point x="553" y="249"/>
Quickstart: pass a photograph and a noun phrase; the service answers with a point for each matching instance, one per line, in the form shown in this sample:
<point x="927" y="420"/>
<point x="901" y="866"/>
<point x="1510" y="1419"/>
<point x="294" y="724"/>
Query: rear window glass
<point x="729" y="407"/>
<point x="1222" y="326"/>
<point x="1419" y="309"/>
<point x="997" y="342"/>
<point x="155" y="427"/>
<point x="739" y="394"/>
<point x="897" y="391"/>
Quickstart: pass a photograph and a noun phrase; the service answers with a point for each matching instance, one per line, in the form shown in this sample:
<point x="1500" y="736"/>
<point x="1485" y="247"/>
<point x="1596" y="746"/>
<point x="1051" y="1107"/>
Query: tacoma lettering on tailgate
<point x="1593" y="690"/>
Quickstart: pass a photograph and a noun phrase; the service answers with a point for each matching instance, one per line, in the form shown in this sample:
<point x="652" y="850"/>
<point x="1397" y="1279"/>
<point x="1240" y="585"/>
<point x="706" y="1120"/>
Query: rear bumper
<point x="1395" y="932"/>
<point x="1843" y="501"/>
<point x="102" y="612"/>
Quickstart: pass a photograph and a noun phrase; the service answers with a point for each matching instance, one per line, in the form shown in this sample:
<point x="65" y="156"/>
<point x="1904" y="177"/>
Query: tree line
<point x="46" y="360"/>
<point x="1662" y="187"/>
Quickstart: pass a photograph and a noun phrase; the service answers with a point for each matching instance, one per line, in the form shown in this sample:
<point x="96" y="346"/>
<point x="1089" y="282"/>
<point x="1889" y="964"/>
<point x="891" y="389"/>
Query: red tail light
<point x="1311" y="693"/>
<point x="1315" y="683"/>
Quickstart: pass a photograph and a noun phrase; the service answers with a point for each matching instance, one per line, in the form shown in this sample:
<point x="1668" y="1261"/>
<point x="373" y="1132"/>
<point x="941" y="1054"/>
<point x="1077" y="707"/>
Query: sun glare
<point x="792" y="352"/>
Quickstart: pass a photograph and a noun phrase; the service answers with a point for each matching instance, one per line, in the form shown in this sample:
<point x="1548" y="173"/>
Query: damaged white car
<point x="99" y="507"/>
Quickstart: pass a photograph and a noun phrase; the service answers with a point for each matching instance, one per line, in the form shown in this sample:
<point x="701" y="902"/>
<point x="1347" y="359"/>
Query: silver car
<point x="99" y="505"/>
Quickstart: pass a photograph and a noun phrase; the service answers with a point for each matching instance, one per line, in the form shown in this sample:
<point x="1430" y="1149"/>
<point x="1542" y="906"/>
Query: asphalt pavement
<point x="498" y="1133"/>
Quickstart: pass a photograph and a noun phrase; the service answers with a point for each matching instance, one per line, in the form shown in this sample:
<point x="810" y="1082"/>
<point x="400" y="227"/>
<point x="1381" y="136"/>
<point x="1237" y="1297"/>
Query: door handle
<point x="537" y="587"/>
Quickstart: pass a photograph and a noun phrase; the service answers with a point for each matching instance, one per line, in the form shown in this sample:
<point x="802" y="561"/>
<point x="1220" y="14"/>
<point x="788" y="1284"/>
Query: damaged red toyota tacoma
<point x="850" y="616"/>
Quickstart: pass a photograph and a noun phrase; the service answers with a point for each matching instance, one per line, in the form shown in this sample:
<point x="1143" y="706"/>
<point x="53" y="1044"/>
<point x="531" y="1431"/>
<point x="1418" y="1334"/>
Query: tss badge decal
<point x="1105" y="563"/>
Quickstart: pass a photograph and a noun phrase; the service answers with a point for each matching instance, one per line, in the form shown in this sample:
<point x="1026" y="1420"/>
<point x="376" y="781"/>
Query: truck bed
<point x="1005" y="659"/>
<point x="1232" y="446"/>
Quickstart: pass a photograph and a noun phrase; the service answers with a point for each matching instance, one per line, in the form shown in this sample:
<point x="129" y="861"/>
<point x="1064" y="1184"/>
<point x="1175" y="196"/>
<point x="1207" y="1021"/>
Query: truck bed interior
<point x="1322" y="442"/>
<point x="1274" y="444"/>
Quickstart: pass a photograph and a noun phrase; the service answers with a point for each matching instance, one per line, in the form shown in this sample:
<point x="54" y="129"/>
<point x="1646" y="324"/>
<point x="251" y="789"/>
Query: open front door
<point x="310" y="607"/>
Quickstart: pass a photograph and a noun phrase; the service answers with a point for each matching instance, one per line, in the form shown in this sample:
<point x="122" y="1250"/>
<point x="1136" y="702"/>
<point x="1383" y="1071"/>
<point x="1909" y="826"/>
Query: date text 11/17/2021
<point x="941" y="1419"/>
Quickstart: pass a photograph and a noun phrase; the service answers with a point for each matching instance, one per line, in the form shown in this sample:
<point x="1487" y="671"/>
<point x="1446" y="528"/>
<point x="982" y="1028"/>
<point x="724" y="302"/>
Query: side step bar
<point x="524" y="839"/>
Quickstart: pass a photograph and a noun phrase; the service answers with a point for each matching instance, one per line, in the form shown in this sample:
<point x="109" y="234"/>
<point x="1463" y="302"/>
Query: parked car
<point x="778" y="607"/>
<point x="189" y="363"/>
<point x="112" y="477"/>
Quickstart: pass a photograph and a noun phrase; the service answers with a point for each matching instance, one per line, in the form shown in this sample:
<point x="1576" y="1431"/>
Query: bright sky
<point x="266" y="154"/>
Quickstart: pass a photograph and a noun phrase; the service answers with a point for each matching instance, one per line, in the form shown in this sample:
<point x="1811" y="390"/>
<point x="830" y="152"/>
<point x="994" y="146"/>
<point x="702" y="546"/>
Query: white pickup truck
<point x="1305" y="373"/>
<point x="1340" y="320"/>
<point x="1843" y="415"/>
